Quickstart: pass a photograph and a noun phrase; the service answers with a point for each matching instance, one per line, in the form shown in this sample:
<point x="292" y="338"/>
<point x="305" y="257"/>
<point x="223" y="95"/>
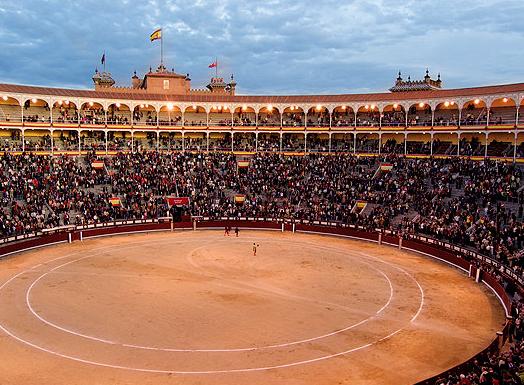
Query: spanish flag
<point x="386" y="167"/>
<point x="239" y="199"/>
<point x="156" y="35"/>
<point x="115" y="201"/>
<point x="97" y="164"/>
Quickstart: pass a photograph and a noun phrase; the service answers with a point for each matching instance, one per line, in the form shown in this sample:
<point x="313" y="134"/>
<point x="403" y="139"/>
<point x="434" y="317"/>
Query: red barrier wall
<point x="144" y="227"/>
<point x="17" y="246"/>
<point x="344" y="231"/>
<point x="436" y="251"/>
<point x="240" y="224"/>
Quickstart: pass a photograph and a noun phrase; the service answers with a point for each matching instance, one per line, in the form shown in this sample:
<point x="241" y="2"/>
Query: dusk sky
<point x="272" y="46"/>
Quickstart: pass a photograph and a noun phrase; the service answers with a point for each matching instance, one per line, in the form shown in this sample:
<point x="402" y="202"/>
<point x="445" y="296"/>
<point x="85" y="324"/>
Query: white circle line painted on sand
<point x="101" y="364"/>
<point x="223" y="350"/>
<point x="421" y="290"/>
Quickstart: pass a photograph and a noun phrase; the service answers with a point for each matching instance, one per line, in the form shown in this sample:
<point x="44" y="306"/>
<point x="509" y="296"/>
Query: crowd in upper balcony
<point x="472" y="114"/>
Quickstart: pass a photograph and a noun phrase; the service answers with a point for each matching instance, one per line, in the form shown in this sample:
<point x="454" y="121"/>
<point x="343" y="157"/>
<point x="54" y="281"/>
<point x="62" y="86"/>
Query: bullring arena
<point x="197" y="307"/>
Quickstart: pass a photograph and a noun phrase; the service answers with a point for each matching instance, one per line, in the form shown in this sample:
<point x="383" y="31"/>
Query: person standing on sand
<point x="255" y="249"/>
<point x="226" y="231"/>
<point x="236" y="231"/>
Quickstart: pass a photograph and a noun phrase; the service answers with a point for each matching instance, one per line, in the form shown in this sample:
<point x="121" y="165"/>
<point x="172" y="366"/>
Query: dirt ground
<point x="198" y="308"/>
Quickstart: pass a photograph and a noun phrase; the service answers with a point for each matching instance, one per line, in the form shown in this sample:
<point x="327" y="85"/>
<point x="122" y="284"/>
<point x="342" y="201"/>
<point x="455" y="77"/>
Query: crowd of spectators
<point x="469" y="202"/>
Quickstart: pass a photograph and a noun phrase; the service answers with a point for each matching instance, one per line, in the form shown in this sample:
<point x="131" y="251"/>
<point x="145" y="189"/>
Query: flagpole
<point x="216" y="67"/>
<point x="105" y="61"/>
<point x="161" y="47"/>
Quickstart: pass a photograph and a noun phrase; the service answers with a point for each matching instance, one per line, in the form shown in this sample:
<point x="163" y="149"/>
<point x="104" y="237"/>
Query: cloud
<point x="272" y="47"/>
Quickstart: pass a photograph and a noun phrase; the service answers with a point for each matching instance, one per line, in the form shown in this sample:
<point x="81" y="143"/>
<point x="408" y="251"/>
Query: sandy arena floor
<point x="198" y="308"/>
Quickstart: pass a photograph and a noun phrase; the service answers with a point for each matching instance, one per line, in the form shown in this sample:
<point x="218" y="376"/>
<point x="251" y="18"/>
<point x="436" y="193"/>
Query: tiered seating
<point x="341" y="119"/>
<point x="144" y="141"/>
<point x="37" y="143"/>
<point x="368" y="119"/>
<point x="65" y="114"/>
<point x="391" y="146"/>
<point x="120" y="118"/>
<point x="393" y="119"/>
<point x="496" y="148"/>
<point x="144" y="117"/>
<point x="92" y="117"/>
<point x="417" y="147"/>
<point x="441" y="147"/>
<point x="219" y="119"/>
<point x="220" y="142"/>
<point x="244" y="142"/>
<point x="92" y="141"/>
<point x="194" y="119"/>
<point x="291" y="119"/>
<point x="292" y="142"/>
<point x="318" y="120"/>
<point x="37" y="114"/>
<point x="317" y="143"/>
<point x="195" y="143"/>
<point x="10" y="113"/>
<point x="342" y="143"/>
<point x="244" y="119"/>
<point x="65" y="141"/>
<point x="419" y="118"/>
<point x="474" y="117"/>
<point x="444" y="117"/>
<point x="269" y="120"/>
<point x="367" y="145"/>
<point x="170" y="141"/>
<point x="502" y="115"/>
<point x="268" y="142"/>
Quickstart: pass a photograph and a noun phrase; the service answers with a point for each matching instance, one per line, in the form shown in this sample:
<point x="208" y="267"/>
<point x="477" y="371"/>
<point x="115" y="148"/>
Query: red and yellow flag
<point x="97" y="164"/>
<point x="386" y="167"/>
<point x="114" y="201"/>
<point x="156" y="35"/>
<point x="240" y="199"/>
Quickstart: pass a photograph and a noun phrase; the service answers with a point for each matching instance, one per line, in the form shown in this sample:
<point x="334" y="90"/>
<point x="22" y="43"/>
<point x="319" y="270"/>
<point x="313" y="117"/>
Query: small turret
<point x="231" y="86"/>
<point x="135" y="81"/>
<point x="102" y="80"/>
<point x="217" y="85"/>
<point x="427" y="78"/>
<point x="425" y="84"/>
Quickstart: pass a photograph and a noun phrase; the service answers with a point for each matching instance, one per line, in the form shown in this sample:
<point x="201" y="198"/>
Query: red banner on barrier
<point x="177" y="201"/>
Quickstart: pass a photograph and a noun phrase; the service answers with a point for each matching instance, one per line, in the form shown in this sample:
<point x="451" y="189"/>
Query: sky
<point x="271" y="46"/>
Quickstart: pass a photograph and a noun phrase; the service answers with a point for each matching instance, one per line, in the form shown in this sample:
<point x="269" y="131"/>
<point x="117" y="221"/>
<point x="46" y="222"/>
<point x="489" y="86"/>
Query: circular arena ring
<point x="167" y="305"/>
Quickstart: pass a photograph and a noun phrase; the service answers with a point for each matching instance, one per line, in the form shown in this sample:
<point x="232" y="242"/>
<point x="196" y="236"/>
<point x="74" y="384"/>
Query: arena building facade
<point x="161" y="111"/>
